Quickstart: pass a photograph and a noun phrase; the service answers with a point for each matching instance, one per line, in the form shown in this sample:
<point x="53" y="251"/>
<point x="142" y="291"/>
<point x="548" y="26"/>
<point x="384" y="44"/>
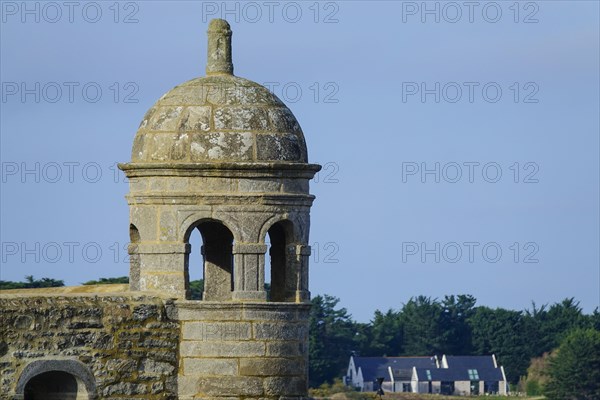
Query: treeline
<point x="453" y="325"/>
<point x="31" y="283"/>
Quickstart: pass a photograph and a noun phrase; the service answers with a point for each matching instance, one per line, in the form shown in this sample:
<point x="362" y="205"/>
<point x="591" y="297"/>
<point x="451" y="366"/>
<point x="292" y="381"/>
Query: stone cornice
<point x="222" y="169"/>
<point x="221" y="199"/>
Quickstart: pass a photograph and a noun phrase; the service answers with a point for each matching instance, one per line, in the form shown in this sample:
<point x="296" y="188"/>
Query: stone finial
<point x="219" y="48"/>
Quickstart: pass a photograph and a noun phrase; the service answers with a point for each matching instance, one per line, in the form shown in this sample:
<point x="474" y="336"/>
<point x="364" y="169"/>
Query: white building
<point x="452" y="375"/>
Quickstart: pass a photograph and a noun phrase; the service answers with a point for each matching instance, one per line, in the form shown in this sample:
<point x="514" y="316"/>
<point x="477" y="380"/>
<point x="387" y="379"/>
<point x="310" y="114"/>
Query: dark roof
<point x="478" y="362"/>
<point x="463" y="368"/>
<point x="483" y="364"/>
<point x="377" y="367"/>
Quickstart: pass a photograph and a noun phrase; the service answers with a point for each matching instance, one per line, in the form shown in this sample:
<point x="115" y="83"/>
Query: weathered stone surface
<point x="201" y="311"/>
<point x="285" y="348"/>
<point x="285" y="386"/>
<point x="219" y="118"/>
<point x="145" y="311"/>
<point x="241" y="118"/>
<point x="108" y="334"/>
<point x="280" y="331"/>
<point x="230" y="386"/>
<point x="210" y="366"/>
<point x="168" y="282"/>
<point x="271" y="367"/>
<point x="260" y="185"/>
<point x="238" y="146"/>
<point x="283" y="120"/>
<point x="125" y="388"/>
<point x="168" y="226"/>
<point x="219" y="48"/>
<point x="218" y="349"/>
<point x="270" y="314"/>
<point x="164" y="119"/>
<point x="122" y="365"/>
<point x="295" y="185"/>
<point x="145" y="220"/>
<point x="152" y="367"/>
<point x="195" y="119"/>
<point x="217" y="331"/>
<point x="285" y="147"/>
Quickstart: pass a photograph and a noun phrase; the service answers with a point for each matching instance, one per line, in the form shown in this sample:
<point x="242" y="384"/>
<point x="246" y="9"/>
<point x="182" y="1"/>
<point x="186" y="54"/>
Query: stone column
<point x="218" y="264"/>
<point x="249" y="271"/>
<point x="301" y="256"/>
<point x="162" y="267"/>
<point x="134" y="266"/>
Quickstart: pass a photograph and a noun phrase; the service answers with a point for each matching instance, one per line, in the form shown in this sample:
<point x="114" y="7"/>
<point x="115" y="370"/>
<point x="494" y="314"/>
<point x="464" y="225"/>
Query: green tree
<point x="563" y="317"/>
<point x="535" y="328"/>
<point x="454" y="324"/>
<point x="31" y="283"/>
<point x="363" y="340"/>
<point x="420" y="319"/>
<point x="502" y="332"/>
<point x="574" y="372"/>
<point x="594" y="319"/>
<point x="386" y="334"/>
<point x="108" y="281"/>
<point x="331" y="340"/>
<point x="196" y="289"/>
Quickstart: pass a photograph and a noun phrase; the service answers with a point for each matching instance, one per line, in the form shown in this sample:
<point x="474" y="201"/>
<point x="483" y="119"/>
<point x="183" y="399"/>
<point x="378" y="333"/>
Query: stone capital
<point x="299" y="250"/>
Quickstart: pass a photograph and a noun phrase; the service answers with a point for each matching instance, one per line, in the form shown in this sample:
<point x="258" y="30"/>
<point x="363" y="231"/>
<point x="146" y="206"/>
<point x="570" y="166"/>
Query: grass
<point x="352" y="395"/>
<point x="415" y="396"/>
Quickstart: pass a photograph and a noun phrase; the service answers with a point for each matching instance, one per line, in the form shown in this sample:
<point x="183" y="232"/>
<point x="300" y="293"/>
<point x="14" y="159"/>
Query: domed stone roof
<point x="219" y="118"/>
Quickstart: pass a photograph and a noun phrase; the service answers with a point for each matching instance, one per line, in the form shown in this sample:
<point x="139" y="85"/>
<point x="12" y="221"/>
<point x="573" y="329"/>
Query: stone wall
<point x="125" y="341"/>
<point x="250" y="350"/>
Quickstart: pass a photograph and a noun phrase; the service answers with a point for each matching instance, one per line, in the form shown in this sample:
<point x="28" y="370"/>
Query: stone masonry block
<point x="230" y="386"/>
<point x="145" y="220"/>
<point x="241" y="118"/>
<point x="168" y="226"/>
<point x="195" y="119"/>
<point x="203" y="313"/>
<point x="284" y="349"/>
<point x="272" y="185"/>
<point x="217" y="331"/>
<point x="285" y="386"/>
<point x="216" y="349"/>
<point x="209" y="366"/>
<point x="271" y="366"/>
<point x="269" y="315"/>
<point x="279" y="331"/>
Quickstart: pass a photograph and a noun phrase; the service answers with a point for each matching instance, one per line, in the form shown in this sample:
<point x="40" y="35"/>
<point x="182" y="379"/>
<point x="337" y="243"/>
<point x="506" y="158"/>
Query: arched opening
<point x="55" y="385"/>
<point x="134" y="257"/>
<point x="196" y="266"/>
<point x="282" y="277"/>
<point x="56" y="379"/>
<point x="216" y="249"/>
<point x="134" y="234"/>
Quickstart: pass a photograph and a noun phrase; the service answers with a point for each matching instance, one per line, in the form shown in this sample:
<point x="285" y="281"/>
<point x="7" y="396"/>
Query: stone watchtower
<point x="223" y="155"/>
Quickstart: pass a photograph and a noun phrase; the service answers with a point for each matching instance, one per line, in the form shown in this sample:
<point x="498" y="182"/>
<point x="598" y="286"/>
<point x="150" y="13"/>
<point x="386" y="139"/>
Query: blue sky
<point x="499" y="102"/>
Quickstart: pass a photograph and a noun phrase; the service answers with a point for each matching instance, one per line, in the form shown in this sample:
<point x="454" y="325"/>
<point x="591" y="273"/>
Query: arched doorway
<point x="56" y="379"/>
<point x="216" y="249"/>
<point x="55" y="385"/>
